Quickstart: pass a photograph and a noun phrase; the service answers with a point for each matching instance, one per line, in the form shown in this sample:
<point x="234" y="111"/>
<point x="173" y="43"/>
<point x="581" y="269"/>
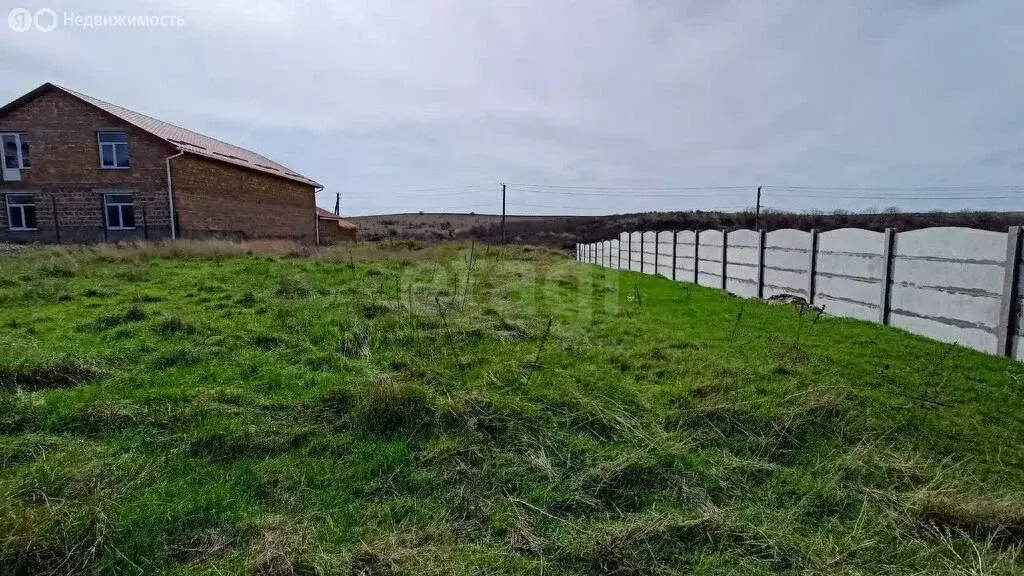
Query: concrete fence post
<point x="675" y="237"/>
<point x="657" y="248"/>
<point x="641" y="251"/>
<point x="696" y="256"/>
<point x="1008" y="311"/>
<point x="812" y="266"/>
<point x="629" y="250"/>
<point x="725" y="254"/>
<point x="761" y="237"/>
<point x="888" y="247"/>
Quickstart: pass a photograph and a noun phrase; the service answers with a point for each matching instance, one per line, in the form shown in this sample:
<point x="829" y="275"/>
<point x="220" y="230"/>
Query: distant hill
<point x="566" y="231"/>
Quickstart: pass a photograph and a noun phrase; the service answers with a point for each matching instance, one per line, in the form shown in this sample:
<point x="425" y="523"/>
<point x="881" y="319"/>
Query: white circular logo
<point x="20" y="19"/>
<point x="46" y="20"/>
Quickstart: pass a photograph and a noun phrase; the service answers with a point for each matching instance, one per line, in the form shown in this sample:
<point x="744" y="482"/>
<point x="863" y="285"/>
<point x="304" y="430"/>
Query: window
<point x="119" y="210"/>
<point x="15" y="150"/>
<point x="21" y="211"/>
<point x="114" y="150"/>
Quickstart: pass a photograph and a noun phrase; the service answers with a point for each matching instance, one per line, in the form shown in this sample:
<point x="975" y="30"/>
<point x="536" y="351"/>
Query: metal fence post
<point x="145" y="224"/>
<point x="888" y="248"/>
<point x="1008" y="311"/>
<point x="56" y="223"/>
<point x="103" y="218"/>
<point x="811" y="266"/>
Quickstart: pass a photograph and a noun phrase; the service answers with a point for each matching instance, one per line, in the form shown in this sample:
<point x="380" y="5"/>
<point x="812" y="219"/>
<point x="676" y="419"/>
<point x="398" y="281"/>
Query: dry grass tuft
<point x="281" y="549"/>
<point x="46" y="376"/>
<point x="395" y="405"/>
<point x="221" y="249"/>
<point x="998" y="521"/>
<point x="202" y="547"/>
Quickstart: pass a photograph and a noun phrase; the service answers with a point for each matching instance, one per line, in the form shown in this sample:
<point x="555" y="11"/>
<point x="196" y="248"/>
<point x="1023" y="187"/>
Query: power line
<point x="629" y="188"/>
<point x="902" y="188"/>
<point x="718" y="192"/>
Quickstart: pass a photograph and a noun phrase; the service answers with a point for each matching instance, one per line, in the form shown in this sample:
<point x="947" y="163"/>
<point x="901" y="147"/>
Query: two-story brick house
<point x="78" y="169"/>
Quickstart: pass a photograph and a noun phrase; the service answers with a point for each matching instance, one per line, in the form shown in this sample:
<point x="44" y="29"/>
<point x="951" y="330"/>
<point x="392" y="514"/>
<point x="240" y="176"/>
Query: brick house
<point x="78" y="169"/>
<point x="334" y="228"/>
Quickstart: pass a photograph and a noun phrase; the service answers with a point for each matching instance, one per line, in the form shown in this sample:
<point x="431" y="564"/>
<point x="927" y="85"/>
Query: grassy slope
<point x="282" y="415"/>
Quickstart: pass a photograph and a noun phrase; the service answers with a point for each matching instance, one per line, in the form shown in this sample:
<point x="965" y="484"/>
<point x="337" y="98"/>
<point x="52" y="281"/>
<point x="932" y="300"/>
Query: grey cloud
<point x="379" y="97"/>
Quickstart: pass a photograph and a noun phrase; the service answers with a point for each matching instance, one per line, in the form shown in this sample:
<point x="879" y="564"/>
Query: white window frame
<point x="20" y="138"/>
<point x="120" y="211"/>
<point x="113" y="149"/>
<point x="21" y="207"/>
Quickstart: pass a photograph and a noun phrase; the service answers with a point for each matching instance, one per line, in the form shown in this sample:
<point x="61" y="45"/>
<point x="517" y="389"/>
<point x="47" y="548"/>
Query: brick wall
<point x="211" y="198"/>
<point x="218" y="199"/>
<point x="331" y="233"/>
<point x="66" y="172"/>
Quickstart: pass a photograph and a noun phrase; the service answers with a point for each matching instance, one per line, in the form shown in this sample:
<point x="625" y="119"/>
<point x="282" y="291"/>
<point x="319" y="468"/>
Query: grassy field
<point x="221" y="409"/>
<point x="563" y="232"/>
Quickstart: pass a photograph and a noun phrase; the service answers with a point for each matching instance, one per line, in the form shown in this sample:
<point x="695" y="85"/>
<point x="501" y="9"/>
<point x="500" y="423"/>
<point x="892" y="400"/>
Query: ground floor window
<point x="120" y="212"/>
<point x="21" y="211"/>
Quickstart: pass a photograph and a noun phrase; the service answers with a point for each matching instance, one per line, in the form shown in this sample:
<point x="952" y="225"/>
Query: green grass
<point x="401" y="410"/>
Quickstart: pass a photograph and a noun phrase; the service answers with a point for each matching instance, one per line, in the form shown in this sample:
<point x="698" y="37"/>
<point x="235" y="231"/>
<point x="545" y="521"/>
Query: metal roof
<point x="181" y="138"/>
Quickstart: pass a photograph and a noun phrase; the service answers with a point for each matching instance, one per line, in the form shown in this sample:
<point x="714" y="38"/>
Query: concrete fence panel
<point x="848" y="275"/>
<point x="635" y="253"/>
<point x="952" y="284"/>
<point x="665" y="249"/>
<point x="786" y="262"/>
<point x="686" y="261"/>
<point x="709" y="258"/>
<point x="742" y="261"/>
<point x="650" y="254"/>
<point x="947" y="284"/>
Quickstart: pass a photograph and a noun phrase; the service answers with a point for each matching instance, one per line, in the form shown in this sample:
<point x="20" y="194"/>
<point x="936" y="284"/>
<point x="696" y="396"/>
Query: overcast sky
<point x="407" y="105"/>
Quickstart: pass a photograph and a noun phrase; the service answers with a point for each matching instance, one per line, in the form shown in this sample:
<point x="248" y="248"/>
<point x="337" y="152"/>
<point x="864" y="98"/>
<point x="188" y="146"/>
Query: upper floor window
<point x="15" y="150"/>
<point x="114" y="150"/>
<point x="21" y="211"/>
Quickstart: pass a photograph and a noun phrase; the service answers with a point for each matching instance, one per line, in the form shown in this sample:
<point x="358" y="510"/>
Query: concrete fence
<point x="957" y="285"/>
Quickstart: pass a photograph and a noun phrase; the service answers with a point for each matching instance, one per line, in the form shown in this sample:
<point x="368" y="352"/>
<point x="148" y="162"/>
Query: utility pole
<point x="502" y="213"/>
<point x="337" y="205"/>
<point x="757" y="210"/>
